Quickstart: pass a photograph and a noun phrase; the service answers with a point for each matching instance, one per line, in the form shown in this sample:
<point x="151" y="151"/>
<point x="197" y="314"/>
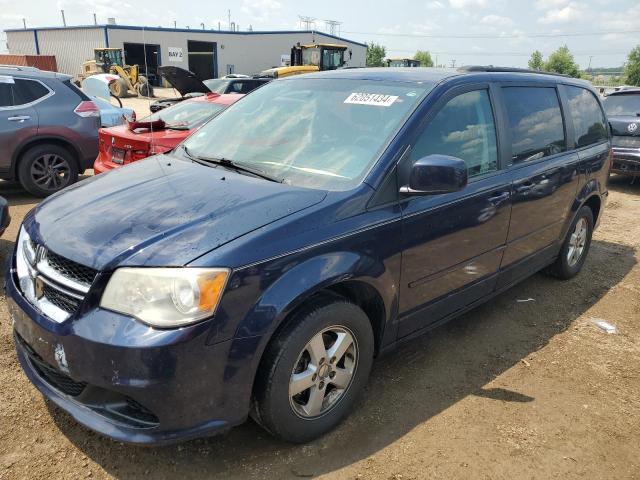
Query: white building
<point x="207" y="53"/>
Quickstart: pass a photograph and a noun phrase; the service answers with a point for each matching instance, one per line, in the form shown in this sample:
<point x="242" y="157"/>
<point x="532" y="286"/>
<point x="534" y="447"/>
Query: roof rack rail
<point x="491" y="68"/>
<point x="19" y="67"/>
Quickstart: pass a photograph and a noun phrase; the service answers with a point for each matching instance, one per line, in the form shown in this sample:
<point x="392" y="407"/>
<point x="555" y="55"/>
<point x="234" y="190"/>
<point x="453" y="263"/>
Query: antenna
<point x="95" y="19"/>
<point x="64" y="20"/>
<point x="308" y="22"/>
<point x="333" y="26"/>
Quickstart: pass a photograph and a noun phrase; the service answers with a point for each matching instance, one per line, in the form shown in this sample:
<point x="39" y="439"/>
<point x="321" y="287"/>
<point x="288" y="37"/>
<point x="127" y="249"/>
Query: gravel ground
<point x="512" y="390"/>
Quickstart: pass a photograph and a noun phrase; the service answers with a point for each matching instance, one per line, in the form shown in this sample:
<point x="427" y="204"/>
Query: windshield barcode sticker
<point x="375" y="99"/>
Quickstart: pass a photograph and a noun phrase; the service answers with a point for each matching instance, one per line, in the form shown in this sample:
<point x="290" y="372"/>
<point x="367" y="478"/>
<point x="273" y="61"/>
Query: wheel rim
<point x="577" y="242"/>
<point x="323" y="372"/>
<point x="50" y="172"/>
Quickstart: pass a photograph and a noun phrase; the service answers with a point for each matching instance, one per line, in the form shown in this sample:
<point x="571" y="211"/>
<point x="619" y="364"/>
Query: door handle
<point x="19" y="118"/>
<point x="499" y="197"/>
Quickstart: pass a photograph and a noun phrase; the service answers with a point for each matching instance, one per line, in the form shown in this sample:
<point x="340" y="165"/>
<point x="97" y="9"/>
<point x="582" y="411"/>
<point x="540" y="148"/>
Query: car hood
<point x="183" y="80"/>
<point x="162" y="211"/>
<point x="622" y="125"/>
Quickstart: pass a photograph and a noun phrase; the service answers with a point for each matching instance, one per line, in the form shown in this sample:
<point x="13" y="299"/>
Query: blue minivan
<point x="321" y="221"/>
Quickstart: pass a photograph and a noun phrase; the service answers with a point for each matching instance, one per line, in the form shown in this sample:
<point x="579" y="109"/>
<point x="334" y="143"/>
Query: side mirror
<point x="435" y="174"/>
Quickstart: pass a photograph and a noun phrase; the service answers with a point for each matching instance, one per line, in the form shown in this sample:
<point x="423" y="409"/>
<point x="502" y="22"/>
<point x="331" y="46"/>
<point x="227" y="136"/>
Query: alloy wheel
<point x="577" y="242"/>
<point x="50" y="172"/>
<point x="323" y="372"/>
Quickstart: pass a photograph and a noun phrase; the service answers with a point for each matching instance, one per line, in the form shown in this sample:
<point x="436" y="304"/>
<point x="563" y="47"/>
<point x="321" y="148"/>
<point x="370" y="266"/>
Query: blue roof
<point x="189" y="30"/>
<point x="393" y="74"/>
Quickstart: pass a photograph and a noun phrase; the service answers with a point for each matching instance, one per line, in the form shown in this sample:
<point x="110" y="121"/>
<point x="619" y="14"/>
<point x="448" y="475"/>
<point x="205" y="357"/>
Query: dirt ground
<point x="513" y="390"/>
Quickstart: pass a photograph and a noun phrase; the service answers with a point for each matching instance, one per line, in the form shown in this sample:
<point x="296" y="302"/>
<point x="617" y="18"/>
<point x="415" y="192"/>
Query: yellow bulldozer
<point x="109" y="60"/>
<point x="310" y="58"/>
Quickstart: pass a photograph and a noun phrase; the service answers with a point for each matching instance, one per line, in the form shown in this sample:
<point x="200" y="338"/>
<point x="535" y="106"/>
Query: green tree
<point x="632" y="69"/>
<point x="536" y="62"/>
<point x="424" y="57"/>
<point x="375" y="55"/>
<point x="561" y="61"/>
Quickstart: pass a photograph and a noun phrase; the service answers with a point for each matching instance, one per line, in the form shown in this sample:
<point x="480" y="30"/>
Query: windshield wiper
<point x="225" y="162"/>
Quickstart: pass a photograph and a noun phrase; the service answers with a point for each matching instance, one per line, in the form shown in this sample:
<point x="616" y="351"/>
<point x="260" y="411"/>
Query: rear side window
<point x="535" y="122"/>
<point x="28" y="91"/>
<point x="6" y="95"/>
<point x="463" y="128"/>
<point x="588" y="120"/>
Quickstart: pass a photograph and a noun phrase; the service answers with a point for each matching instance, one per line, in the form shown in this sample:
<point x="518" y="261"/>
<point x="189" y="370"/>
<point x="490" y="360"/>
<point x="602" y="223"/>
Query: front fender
<point x="298" y="282"/>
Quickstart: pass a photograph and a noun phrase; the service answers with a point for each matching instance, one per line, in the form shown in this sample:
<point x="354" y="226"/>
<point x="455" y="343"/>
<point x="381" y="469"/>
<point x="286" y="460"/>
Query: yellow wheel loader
<point x="109" y="60"/>
<point x="310" y="58"/>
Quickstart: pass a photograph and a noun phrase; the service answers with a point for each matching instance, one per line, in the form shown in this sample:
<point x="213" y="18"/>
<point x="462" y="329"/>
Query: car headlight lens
<point x="25" y="264"/>
<point x="165" y="297"/>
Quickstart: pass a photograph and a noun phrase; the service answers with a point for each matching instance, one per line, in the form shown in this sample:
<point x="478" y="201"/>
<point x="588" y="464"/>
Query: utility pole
<point x="95" y="19"/>
<point x="453" y="63"/>
<point x="24" y="23"/>
<point x="333" y="26"/>
<point x="589" y="67"/>
<point x="229" y="13"/>
<point x="64" y="20"/>
<point x="202" y="25"/>
<point x="436" y="61"/>
<point x="175" y="24"/>
<point x="307" y="22"/>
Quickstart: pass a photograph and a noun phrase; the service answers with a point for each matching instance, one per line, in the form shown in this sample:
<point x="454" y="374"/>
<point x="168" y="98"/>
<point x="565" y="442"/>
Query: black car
<point x="189" y="86"/>
<point x="317" y="223"/>
<point x="623" y="111"/>
<point x="48" y="129"/>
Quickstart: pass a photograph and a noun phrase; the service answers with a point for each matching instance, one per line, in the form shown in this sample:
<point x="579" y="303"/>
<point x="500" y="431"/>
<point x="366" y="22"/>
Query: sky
<point x="467" y="32"/>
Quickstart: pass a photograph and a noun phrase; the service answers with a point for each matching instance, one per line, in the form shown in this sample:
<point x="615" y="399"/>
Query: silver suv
<point x="48" y="129"/>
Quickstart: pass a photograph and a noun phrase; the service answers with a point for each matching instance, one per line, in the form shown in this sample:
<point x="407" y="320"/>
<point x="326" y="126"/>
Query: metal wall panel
<point x="21" y="42"/>
<point x="71" y="46"/>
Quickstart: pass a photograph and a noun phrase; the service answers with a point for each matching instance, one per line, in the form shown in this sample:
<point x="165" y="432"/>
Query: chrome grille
<point x="56" y="285"/>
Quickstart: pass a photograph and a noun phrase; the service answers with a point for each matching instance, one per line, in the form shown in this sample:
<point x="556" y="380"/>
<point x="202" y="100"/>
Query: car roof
<point x="625" y="91"/>
<point x="30" y="72"/>
<point x="437" y="75"/>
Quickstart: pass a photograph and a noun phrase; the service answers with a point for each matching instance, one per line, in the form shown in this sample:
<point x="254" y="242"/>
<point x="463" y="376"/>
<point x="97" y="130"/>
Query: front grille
<point x="140" y="412"/>
<point x="51" y="375"/>
<point x="60" y="299"/>
<point x="70" y="269"/>
<point x="625" y="141"/>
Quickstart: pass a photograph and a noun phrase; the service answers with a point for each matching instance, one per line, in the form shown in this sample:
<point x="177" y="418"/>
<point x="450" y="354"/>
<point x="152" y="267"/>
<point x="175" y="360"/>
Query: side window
<point x="6" y="94"/>
<point x="28" y="91"/>
<point x="588" y="120"/>
<point x="535" y="122"/>
<point x="463" y="128"/>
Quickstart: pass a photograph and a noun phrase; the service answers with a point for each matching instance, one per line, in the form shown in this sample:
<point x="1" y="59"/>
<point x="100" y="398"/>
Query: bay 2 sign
<point x="175" y="54"/>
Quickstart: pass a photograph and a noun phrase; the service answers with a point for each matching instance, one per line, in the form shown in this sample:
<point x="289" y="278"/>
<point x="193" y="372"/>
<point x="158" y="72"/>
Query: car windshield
<point x="186" y="115"/>
<point x="626" y="104"/>
<point x="316" y="133"/>
<point x="216" y="85"/>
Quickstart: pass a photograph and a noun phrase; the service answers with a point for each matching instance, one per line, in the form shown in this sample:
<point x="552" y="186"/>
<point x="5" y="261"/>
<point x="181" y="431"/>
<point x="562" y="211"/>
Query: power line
<point x="514" y="35"/>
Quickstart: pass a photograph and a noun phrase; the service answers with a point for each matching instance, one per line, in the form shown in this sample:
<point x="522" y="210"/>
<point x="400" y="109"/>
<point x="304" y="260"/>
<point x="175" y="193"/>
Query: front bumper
<point x="128" y="381"/>
<point x="626" y="161"/>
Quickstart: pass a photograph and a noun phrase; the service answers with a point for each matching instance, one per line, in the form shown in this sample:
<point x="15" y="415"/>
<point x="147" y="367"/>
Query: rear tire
<point x="575" y="246"/>
<point x="119" y="88"/>
<point x="326" y="350"/>
<point x="46" y="169"/>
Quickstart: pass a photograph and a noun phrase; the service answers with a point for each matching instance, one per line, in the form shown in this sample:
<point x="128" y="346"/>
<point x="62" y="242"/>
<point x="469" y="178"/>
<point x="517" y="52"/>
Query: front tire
<point x="46" y="169"/>
<point x="314" y="370"/>
<point x="575" y="246"/>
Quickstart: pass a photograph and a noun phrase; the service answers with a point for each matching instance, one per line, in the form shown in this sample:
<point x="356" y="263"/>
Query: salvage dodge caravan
<point x="322" y="220"/>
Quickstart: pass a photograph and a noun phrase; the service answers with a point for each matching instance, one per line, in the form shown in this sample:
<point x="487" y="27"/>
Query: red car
<point x="157" y="133"/>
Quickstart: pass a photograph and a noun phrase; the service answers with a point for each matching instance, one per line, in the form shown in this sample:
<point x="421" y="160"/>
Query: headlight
<point x="25" y="264"/>
<point x="165" y="297"/>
